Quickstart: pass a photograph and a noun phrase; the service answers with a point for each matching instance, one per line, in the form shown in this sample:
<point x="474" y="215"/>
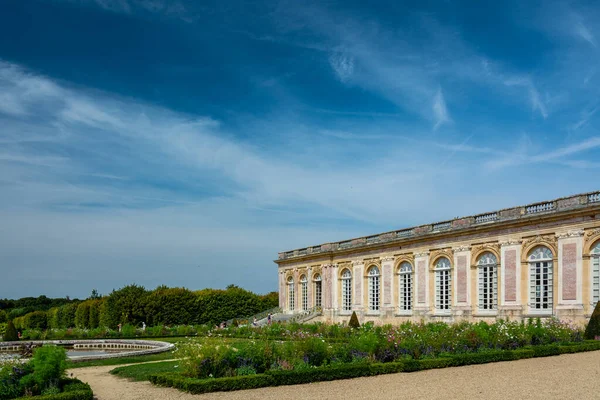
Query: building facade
<point x="539" y="260"/>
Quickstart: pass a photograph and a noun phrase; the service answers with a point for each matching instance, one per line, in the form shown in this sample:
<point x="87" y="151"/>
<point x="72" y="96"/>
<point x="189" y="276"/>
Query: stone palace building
<point x="538" y="260"/>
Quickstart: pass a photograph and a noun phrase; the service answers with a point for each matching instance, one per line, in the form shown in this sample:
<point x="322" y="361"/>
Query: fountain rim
<point x="157" y="347"/>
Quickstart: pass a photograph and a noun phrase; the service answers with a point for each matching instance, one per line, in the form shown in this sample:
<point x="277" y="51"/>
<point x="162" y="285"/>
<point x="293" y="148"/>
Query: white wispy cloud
<point x="583" y="32"/>
<point x="343" y="65"/>
<point x="537" y="104"/>
<point x="440" y="111"/>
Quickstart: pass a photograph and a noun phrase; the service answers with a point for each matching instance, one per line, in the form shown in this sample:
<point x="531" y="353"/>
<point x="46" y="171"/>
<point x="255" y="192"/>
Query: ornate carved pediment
<point x="316" y="269"/>
<point x="479" y="249"/>
<point x="435" y="254"/>
<point x="494" y="247"/>
<point x="540" y="240"/>
<point x="570" y="234"/>
<point x="592" y="233"/>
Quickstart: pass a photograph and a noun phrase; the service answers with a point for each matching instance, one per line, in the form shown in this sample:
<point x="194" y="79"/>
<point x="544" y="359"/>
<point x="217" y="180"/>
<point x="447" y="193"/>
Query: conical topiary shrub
<point x="10" y="335"/>
<point x="593" y="329"/>
<point x="354" y="321"/>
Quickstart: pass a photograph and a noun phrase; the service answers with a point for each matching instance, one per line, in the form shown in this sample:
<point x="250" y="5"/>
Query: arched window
<point x="487" y="264"/>
<point x="373" y="276"/>
<point x="291" y="294"/>
<point x="442" y="285"/>
<point x="304" y="285"/>
<point x="405" y="284"/>
<point x="318" y="290"/>
<point x="595" y="253"/>
<point x="347" y="290"/>
<point x="540" y="280"/>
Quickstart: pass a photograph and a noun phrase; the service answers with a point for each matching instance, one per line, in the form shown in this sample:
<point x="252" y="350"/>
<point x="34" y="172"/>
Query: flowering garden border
<point x="355" y="370"/>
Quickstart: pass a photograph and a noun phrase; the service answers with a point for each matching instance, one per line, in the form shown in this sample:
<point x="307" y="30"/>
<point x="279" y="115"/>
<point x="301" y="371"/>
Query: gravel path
<point x="571" y="376"/>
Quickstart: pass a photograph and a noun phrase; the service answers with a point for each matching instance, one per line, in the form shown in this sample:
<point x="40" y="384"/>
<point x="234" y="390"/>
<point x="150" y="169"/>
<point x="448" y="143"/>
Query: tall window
<point x="596" y="273"/>
<point x="405" y="283"/>
<point x="488" y="281"/>
<point x="291" y="294"/>
<point x="442" y="285"/>
<point x="304" y="285"/>
<point x="318" y="290"/>
<point x="540" y="280"/>
<point x="347" y="290"/>
<point x="374" y="288"/>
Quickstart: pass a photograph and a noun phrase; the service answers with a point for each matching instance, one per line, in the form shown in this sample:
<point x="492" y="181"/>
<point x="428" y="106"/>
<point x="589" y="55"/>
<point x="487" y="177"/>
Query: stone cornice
<point x="459" y="249"/>
<point x="510" y="242"/>
<point x="566" y="207"/>
<point x="570" y="234"/>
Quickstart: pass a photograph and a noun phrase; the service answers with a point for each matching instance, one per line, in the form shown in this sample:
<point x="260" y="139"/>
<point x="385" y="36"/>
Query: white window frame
<point x="374" y="279"/>
<point x="405" y="288"/>
<point x="443" y="286"/>
<point x="487" y="282"/>
<point x="346" y="291"/>
<point x="595" y="278"/>
<point x="304" y="286"/>
<point x="318" y="291"/>
<point x="541" y="280"/>
<point x="291" y="294"/>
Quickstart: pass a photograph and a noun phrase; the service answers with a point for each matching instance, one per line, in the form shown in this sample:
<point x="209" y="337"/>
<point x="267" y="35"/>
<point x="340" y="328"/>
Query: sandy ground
<point x="571" y="376"/>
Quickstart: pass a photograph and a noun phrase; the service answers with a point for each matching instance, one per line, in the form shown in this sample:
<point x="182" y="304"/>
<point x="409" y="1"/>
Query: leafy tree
<point x="3" y="316"/>
<point x="354" y="321"/>
<point x="11" y="335"/>
<point x="593" y="327"/>
<point x="35" y="320"/>
<point x="124" y="306"/>
<point x="95" y="295"/>
<point x="170" y="306"/>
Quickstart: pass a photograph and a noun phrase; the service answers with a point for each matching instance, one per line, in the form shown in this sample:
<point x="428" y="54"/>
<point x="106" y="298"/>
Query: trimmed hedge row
<point x="73" y="389"/>
<point x="355" y="370"/>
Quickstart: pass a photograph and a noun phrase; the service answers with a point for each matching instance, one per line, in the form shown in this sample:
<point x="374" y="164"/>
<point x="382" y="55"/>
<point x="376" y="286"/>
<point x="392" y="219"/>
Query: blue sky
<point x="186" y="143"/>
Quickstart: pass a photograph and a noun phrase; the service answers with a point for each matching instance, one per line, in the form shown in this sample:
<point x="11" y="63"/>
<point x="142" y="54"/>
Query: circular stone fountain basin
<point x="86" y="350"/>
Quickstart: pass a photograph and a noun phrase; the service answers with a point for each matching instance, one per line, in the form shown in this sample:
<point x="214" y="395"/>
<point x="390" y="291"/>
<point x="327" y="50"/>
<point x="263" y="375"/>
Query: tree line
<point x="135" y="305"/>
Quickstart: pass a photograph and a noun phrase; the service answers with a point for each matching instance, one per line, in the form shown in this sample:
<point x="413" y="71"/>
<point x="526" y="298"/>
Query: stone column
<point x="570" y="274"/>
<point x="282" y="290"/>
<point x="296" y="290"/>
<point x="509" y="303"/>
<point x="387" y="273"/>
<point x="462" y="282"/>
<point x="421" y="283"/>
<point x="357" y="282"/>
<point x="334" y="288"/>
<point x="309" y="287"/>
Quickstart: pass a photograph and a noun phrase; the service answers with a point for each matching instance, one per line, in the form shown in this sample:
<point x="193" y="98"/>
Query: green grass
<point x="122" y="360"/>
<point x="142" y="372"/>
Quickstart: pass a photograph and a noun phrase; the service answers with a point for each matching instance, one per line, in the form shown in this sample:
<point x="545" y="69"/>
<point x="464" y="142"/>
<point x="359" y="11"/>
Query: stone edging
<point x="137" y="347"/>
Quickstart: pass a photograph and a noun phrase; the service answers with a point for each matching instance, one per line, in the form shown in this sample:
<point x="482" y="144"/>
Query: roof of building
<point x="579" y="201"/>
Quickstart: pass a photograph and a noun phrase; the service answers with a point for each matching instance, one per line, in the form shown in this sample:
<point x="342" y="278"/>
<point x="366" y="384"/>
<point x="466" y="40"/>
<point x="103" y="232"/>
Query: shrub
<point x="593" y="328"/>
<point x="49" y="363"/>
<point x="11" y="334"/>
<point x="354" y="321"/>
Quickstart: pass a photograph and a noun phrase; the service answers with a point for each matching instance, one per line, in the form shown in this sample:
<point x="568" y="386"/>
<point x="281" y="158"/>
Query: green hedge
<point x="73" y="389"/>
<point x="347" y="371"/>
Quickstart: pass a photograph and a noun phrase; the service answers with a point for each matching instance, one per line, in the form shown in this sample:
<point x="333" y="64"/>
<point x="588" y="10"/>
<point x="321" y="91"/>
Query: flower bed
<point x="409" y="341"/>
<point x="358" y="369"/>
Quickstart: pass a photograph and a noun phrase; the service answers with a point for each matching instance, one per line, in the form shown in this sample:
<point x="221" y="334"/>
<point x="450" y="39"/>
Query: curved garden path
<point x="570" y="376"/>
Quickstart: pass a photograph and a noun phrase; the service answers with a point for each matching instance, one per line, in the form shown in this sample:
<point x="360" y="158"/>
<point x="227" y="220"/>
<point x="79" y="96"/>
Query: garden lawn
<point x="122" y="360"/>
<point x="142" y="372"/>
